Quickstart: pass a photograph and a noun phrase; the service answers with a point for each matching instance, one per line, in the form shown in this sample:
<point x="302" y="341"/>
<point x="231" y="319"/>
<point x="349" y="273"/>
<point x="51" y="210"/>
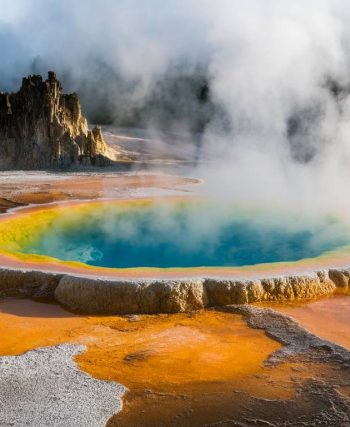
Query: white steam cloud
<point x="279" y="69"/>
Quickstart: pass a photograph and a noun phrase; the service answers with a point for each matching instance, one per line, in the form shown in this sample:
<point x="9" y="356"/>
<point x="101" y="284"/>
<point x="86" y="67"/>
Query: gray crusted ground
<point x="44" y="387"/>
<point x="322" y="397"/>
<point x="296" y="340"/>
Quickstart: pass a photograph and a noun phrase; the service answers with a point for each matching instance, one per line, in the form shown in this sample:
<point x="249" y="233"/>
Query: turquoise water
<point x="189" y="235"/>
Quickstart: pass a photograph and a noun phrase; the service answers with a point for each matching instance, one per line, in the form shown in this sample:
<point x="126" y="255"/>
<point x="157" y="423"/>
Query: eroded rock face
<point x="99" y="296"/>
<point x="117" y="296"/>
<point x="40" y="127"/>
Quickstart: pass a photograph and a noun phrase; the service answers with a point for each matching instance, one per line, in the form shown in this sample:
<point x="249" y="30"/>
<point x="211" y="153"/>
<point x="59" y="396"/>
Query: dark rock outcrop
<point x="40" y="127"/>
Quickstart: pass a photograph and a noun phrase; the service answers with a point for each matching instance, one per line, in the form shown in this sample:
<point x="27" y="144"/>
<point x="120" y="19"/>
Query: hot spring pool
<point x="172" y="234"/>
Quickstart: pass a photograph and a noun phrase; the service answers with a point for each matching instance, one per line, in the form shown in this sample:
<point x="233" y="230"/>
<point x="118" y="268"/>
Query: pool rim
<point x="330" y="259"/>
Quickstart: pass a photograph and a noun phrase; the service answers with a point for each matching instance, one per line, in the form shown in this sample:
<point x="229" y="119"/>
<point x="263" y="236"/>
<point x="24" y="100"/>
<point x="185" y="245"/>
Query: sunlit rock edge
<point x="108" y="296"/>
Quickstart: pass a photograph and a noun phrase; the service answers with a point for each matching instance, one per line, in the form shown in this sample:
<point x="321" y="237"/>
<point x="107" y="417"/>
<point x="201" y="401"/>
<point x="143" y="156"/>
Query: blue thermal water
<point x="185" y="237"/>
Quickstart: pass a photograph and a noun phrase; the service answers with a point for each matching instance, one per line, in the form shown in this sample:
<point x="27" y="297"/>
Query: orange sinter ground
<point x="328" y="318"/>
<point x="185" y="363"/>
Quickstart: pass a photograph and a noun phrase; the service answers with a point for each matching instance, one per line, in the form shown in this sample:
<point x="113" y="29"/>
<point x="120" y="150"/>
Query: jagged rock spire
<point x="40" y="127"/>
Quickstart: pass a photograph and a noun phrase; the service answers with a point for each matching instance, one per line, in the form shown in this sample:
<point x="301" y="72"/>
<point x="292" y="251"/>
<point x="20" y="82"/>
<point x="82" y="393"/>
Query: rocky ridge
<point x="41" y="127"/>
<point x="117" y="296"/>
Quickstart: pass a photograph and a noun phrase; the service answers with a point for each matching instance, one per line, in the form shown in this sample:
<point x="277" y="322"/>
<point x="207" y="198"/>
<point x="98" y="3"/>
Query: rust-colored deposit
<point x="48" y="189"/>
<point x="189" y="362"/>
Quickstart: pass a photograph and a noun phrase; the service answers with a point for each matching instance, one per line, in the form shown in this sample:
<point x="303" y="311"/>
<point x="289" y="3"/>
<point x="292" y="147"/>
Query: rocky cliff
<point x="40" y="127"/>
<point x="109" y="296"/>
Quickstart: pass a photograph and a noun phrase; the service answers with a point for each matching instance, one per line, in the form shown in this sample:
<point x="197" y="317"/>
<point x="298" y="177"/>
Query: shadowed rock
<point x="22" y="283"/>
<point x="40" y="127"/>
